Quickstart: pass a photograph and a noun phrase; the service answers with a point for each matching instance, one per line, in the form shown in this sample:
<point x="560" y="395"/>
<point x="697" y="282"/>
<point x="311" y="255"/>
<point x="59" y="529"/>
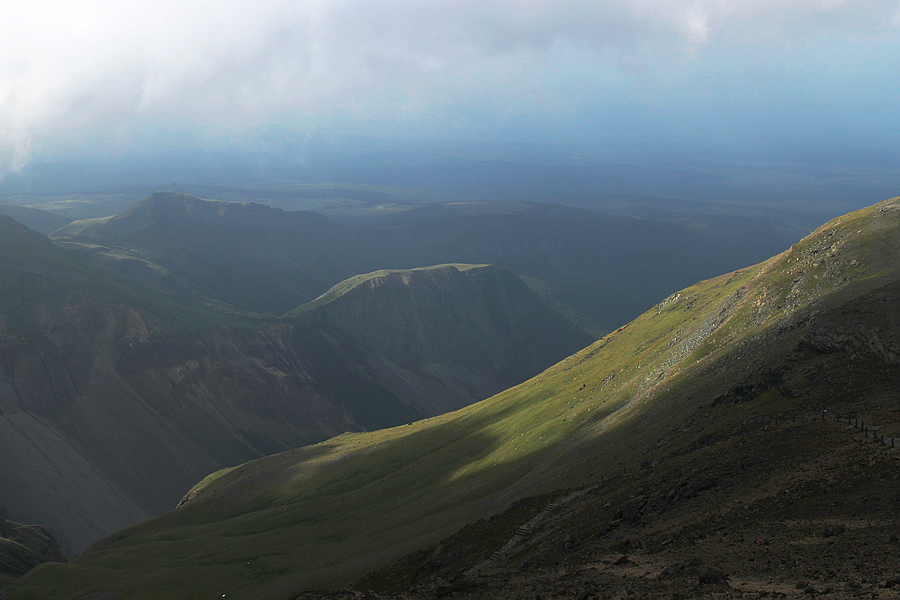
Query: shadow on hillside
<point x="322" y="515"/>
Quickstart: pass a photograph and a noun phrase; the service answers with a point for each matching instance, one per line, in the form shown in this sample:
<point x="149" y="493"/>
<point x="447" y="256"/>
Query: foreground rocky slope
<point x="805" y="508"/>
<point x="114" y="399"/>
<point x="626" y="469"/>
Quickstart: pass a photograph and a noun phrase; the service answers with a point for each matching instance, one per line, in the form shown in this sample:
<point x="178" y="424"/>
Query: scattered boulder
<point x="444" y="588"/>
<point x="671" y="571"/>
<point x="710" y="575"/>
<point x="673" y="495"/>
<point x="101" y="595"/>
<point x="589" y="591"/>
<point x="632" y="511"/>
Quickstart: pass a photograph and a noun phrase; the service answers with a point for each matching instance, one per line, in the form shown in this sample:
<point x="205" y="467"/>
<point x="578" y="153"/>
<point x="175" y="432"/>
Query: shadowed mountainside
<point x="41" y="221"/>
<point x="478" y="328"/>
<point x="258" y="258"/>
<point x="682" y="400"/>
<point x="115" y="399"/>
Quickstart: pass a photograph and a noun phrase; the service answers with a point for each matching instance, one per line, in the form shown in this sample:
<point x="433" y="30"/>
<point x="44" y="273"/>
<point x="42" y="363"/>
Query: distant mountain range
<point x="41" y="221"/>
<point x="600" y="270"/>
<point x="695" y="437"/>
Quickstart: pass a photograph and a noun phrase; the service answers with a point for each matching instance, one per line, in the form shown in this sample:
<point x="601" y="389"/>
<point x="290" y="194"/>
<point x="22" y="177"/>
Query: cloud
<point x="69" y="66"/>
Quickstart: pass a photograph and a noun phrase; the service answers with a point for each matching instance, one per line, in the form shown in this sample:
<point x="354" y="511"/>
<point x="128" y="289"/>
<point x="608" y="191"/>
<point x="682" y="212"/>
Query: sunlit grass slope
<point x="324" y="515"/>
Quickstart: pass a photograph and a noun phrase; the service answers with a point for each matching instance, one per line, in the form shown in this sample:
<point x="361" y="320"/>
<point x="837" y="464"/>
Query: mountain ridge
<point x="705" y="371"/>
<point x="603" y="267"/>
<point x="191" y="247"/>
<point x="479" y="321"/>
<point x="115" y="399"/>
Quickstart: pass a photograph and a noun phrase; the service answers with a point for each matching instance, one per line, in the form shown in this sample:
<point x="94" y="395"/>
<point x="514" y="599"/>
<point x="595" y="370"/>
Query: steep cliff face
<point x="109" y="413"/>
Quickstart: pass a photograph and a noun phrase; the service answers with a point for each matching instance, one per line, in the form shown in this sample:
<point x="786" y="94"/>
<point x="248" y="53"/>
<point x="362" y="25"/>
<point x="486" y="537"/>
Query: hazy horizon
<point x="801" y="94"/>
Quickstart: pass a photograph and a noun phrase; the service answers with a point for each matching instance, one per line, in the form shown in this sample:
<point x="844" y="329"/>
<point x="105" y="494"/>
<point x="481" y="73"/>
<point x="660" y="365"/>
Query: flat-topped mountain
<point x="475" y="327"/>
<point x="698" y="433"/>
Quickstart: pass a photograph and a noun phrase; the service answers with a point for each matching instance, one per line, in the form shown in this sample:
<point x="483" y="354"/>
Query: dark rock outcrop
<point x="23" y="547"/>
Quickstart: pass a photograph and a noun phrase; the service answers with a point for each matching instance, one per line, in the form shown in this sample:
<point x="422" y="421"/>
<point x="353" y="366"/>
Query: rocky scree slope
<point x="680" y="405"/>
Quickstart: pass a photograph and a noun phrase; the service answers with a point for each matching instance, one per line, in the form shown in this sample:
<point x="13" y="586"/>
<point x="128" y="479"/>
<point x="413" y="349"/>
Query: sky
<point x="103" y="78"/>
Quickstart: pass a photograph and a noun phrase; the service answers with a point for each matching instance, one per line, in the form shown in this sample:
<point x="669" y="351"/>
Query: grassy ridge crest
<point x="342" y="288"/>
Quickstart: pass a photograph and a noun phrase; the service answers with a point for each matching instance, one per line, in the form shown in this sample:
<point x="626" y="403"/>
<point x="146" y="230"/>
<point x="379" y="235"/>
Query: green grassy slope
<point x="145" y="395"/>
<point x="327" y="514"/>
<point x="464" y="332"/>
